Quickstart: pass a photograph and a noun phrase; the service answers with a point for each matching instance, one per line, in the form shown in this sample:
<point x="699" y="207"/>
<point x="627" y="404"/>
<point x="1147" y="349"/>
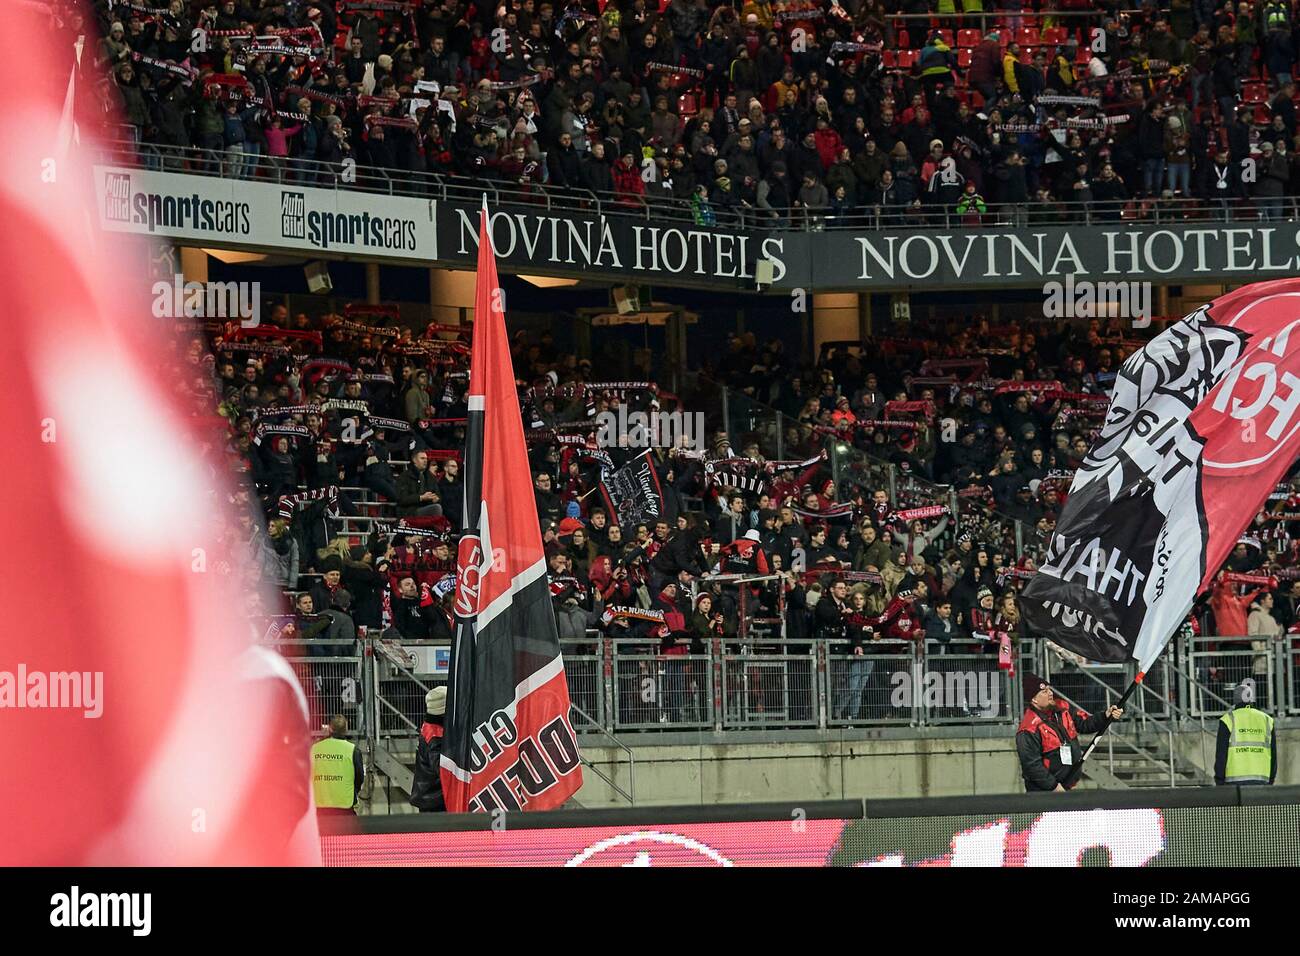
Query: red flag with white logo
<point x="509" y="743"/>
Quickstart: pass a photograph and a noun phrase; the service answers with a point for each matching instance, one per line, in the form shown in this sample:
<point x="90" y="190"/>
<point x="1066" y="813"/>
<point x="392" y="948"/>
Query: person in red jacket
<point x="1047" y="740"/>
<point x="828" y="143"/>
<point x="983" y="621"/>
<point x="1229" y="608"/>
<point x="900" y="620"/>
<point x="744" y="556"/>
<point x="628" y="184"/>
<point x="784" y="485"/>
<point x="676" y="643"/>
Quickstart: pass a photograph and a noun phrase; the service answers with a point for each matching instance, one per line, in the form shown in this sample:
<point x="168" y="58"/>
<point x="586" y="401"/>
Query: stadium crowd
<point x="351" y="429"/>
<point x="900" y="108"/>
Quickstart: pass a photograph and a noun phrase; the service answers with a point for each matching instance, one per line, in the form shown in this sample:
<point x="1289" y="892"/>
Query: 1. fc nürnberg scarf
<point x="509" y="744"/>
<point x="1203" y="421"/>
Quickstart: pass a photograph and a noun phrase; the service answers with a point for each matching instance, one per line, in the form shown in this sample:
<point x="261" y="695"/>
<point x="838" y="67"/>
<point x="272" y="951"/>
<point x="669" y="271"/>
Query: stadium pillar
<point x="194" y="264"/>
<point x="372" y="283"/>
<point x="836" y="318"/>
<point x="451" y="296"/>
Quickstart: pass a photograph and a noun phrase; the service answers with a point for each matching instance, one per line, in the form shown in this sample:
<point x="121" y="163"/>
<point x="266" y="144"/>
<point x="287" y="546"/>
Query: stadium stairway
<point x="1153" y="751"/>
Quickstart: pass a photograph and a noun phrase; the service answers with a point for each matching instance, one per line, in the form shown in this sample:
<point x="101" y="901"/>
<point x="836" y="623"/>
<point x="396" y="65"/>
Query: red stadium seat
<point x="963" y="59"/>
<point x="1083" y="54"/>
<point x="907" y="58"/>
<point x="903" y="40"/>
<point x="1263" y="115"/>
<point x="1254" y="93"/>
<point x="1028" y="36"/>
<point x="888" y="59"/>
<point x="687" y="105"/>
<point x="1055" y="35"/>
<point x="946" y="36"/>
<point x="968" y="38"/>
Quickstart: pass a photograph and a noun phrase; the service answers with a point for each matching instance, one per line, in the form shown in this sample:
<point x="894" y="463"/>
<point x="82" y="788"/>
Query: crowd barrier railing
<point x="1219" y="663"/>
<point x="621" y="685"/>
<point x="1290" y="652"/>
<point x="865" y="217"/>
<point x="775" y="684"/>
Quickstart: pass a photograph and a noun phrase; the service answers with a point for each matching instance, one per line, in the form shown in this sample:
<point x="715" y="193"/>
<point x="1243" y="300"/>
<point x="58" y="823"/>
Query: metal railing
<point x="653" y="690"/>
<point x="747" y="419"/>
<point x="770" y="687"/>
<point x="879" y="688"/>
<point x="582" y="670"/>
<point x="776" y="684"/>
<point x="331" y="675"/>
<point x="1218" y="663"/>
<point x="450" y="187"/>
<point x="1291" y="672"/>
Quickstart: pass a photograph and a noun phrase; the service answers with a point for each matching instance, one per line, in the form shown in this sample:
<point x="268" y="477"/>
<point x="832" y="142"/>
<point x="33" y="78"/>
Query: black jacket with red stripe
<point x="426" y="785"/>
<point x="1039" y="740"/>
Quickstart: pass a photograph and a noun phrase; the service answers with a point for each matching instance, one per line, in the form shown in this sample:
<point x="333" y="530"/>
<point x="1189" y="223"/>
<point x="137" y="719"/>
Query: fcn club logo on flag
<point x="1261" y="393"/>
<point x="469" y="559"/>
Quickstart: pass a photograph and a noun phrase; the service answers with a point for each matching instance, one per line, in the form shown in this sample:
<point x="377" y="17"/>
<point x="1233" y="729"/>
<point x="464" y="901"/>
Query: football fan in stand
<point x="1047" y="740"/>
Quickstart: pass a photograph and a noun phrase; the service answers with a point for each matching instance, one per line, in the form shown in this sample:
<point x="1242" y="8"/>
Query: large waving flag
<point x="509" y="743"/>
<point x="140" y="726"/>
<point x="1203" y="422"/>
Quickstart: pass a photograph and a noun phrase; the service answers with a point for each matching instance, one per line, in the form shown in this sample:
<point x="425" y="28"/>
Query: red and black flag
<point x="1203" y="422"/>
<point x="509" y="742"/>
<point x="633" y="493"/>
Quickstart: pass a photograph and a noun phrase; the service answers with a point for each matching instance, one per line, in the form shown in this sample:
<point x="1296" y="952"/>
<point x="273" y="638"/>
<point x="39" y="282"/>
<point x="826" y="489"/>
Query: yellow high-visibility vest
<point x="1250" y="746"/>
<point x="332" y="779"/>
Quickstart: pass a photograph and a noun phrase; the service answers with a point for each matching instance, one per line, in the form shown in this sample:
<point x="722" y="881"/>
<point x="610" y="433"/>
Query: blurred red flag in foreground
<point x="168" y="740"/>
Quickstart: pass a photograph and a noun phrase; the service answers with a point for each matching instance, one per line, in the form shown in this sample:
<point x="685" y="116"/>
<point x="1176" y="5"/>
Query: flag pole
<point x="1133" y="685"/>
<point x="1128" y="692"/>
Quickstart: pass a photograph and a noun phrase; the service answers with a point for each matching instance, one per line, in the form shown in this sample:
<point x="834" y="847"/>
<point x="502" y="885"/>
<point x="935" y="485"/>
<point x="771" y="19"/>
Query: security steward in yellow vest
<point x="1246" y="754"/>
<point x="336" y="771"/>
<point x="1047" y="740"/>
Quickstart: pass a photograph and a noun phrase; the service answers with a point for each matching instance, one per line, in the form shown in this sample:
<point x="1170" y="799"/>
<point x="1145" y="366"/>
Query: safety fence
<point x="333" y="681"/>
<point x="790" y="685"/>
<point x="626" y="685"/>
<point x="621" y="686"/>
<point x="1291" y="672"/>
<point x="1220" y="663"/>
<point x="1195" y="677"/>
<point x="233" y="164"/>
